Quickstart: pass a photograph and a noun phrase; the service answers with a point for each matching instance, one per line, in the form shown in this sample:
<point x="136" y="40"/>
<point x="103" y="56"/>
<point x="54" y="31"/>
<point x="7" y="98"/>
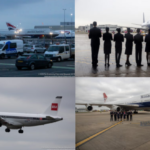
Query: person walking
<point x="118" y="38"/>
<point x="94" y="35"/>
<point x="138" y="39"/>
<point x="147" y="47"/>
<point x="129" y="44"/>
<point x="107" y="37"/>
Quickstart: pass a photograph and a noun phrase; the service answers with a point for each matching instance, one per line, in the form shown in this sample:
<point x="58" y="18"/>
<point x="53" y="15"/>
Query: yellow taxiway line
<point x="93" y="136"/>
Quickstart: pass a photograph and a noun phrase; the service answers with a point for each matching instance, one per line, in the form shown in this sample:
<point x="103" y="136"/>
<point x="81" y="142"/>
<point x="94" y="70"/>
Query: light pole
<point x="64" y="23"/>
<point x="71" y="24"/>
<point x="51" y="36"/>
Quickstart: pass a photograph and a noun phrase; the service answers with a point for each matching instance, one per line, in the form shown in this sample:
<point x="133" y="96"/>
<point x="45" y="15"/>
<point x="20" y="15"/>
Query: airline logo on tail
<point x="105" y="97"/>
<point x="10" y="26"/>
<point x="54" y="106"/>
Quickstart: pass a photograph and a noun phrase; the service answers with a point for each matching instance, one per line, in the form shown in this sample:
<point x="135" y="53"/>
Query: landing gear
<point x="7" y="130"/>
<point x="0" y="124"/>
<point x="20" y="131"/>
<point x="135" y="112"/>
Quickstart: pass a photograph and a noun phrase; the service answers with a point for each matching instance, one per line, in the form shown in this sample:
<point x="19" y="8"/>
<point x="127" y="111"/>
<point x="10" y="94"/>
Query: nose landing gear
<point x="7" y="130"/>
<point x="20" y="131"/>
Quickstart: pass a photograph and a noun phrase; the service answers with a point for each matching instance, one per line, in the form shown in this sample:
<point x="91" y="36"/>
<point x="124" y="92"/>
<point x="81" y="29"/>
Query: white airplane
<point x="135" y="103"/>
<point x="68" y="34"/>
<point x="20" y="120"/>
<point x="34" y="33"/>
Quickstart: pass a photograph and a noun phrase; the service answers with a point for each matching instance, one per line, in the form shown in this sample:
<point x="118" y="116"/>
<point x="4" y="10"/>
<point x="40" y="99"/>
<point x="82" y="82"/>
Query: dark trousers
<point x="127" y="117"/>
<point x="130" y="118"/>
<point x="118" y="55"/>
<point x="111" y="118"/>
<point x="95" y="50"/>
<point x="115" y="117"/>
<point x="138" y="54"/>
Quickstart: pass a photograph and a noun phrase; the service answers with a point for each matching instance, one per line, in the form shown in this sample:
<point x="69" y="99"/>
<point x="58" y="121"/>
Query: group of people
<point x="95" y="35"/>
<point x="120" y="115"/>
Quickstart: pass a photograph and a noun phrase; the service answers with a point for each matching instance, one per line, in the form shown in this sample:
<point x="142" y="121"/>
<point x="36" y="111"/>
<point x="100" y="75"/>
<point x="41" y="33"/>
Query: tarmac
<point x="65" y="68"/>
<point x="95" y="131"/>
<point x="84" y="66"/>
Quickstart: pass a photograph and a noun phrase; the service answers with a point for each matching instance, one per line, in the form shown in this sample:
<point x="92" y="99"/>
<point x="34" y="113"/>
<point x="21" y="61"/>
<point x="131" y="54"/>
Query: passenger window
<point x="61" y="49"/>
<point x="13" y="45"/>
<point x="41" y="57"/>
<point x="67" y="48"/>
<point x="6" y="47"/>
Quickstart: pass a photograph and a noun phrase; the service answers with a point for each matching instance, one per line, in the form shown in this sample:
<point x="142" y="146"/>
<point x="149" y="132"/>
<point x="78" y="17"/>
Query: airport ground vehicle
<point x="19" y="120"/>
<point x="59" y="52"/>
<point x="33" y="61"/>
<point x="11" y="47"/>
<point x="34" y="48"/>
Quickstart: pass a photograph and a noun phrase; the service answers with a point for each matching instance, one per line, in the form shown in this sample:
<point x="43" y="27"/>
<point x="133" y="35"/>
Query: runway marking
<point x="52" y="66"/>
<point x="93" y="136"/>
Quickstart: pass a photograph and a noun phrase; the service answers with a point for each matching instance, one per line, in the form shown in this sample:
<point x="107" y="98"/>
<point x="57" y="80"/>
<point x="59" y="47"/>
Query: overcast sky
<point x="90" y="90"/>
<point x="116" y="12"/>
<point x="35" y="12"/>
<point x="34" y="95"/>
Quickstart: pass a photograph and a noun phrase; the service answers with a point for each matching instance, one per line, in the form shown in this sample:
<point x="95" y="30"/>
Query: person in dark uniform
<point x="118" y="115"/>
<point x="94" y="35"/>
<point x="118" y="38"/>
<point x="124" y="115"/>
<point x="127" y="115"/>
<point x="115" y="115"/>
<point x="121" y="115"/>
<point x="111" y="115"/>
<point x="138" y="39"/>
<point x="147" y="47"/>
<point x="129" y="44"/>
<point x="130" y="115"/>
<point x="107" y="37"/>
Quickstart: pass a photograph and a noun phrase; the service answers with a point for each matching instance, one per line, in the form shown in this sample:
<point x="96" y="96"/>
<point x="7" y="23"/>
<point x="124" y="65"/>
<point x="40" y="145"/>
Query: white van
<point x="11" y="47"/>
<point x="59" y="52"/>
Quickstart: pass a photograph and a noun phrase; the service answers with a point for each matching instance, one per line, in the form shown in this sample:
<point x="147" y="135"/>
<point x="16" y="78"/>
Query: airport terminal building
<point x="67" y="25"/>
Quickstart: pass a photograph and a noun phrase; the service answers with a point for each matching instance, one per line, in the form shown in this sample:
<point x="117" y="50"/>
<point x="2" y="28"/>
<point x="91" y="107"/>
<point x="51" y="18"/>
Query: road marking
<point x="52" y="66"/>
<point x="93" y="136"/>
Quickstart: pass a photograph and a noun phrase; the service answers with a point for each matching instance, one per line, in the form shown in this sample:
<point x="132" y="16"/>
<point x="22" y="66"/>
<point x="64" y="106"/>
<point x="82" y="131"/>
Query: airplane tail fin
<point x="53" y="108"/>
<point x="105" y="97"/>
<point x="10" y="26"/>
<point x="143" y="18"/>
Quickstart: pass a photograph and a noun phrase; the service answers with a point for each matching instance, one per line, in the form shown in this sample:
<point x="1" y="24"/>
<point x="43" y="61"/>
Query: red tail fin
<point x="105" y="97"/>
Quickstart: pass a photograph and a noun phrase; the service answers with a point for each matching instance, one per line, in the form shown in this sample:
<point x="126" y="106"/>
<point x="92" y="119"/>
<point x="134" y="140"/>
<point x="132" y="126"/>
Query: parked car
<point x="33" y="61"/>
<point x="34" y="48"/>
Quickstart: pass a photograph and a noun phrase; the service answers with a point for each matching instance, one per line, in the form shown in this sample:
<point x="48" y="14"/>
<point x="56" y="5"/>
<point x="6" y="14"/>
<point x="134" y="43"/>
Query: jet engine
<point x="89" y="108"/>
<point x="115" y="108"/>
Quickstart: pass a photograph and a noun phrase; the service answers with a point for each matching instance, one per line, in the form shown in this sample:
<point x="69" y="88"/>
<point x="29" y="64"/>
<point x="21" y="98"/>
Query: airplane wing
<point x="4" y="121"/>
<point x="130" y="106"/>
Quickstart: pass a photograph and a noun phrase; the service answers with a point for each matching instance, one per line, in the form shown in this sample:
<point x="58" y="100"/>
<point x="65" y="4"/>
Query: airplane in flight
<point x="20" y="120"/>
<point x="135" y="103"/>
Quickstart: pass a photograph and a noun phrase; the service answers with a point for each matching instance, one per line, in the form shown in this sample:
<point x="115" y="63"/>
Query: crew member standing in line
<point x="147" y="47"/>
<point x="111" y="115"/>
<point x="130" y="115"/>
<point x="127" y="115"/>
<point x="124" y="115"/>
<point x="118" y="38"/>
<point x="94" y="35"/>
<point x="115" y="115"/>
<point x="107" y="37"/>
<point x="129" y="44"/>
<point x="118" y="115"/>
<point x="138" y="39"/>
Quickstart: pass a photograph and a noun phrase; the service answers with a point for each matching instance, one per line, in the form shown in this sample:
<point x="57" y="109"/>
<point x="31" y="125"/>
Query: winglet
<point x="105" y="97"/>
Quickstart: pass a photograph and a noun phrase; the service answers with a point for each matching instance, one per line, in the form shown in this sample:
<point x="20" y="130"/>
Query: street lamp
<point x="71" y="23"/>
<point x="51" y="36"/>
<point x="64" y="23"/>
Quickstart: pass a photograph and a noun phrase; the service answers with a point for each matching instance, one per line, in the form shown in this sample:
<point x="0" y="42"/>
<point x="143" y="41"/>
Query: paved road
<point x="64" y="68"/>
<point x="127" y="135"/>
<point x="84" y="67"/>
